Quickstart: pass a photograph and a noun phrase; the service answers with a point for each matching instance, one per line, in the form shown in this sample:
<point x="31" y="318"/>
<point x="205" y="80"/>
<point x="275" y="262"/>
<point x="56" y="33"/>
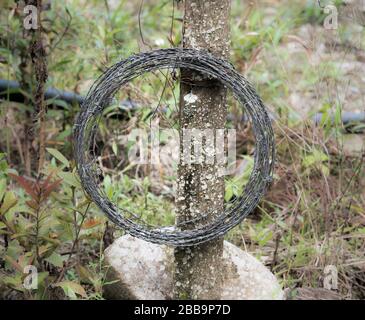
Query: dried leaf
<point x="91" y="223"/>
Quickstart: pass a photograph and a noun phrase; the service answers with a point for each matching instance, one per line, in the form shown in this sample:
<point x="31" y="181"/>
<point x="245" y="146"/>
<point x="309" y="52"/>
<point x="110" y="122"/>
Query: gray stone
<point x="353" y="144"/>
<point x="141" y="270"/>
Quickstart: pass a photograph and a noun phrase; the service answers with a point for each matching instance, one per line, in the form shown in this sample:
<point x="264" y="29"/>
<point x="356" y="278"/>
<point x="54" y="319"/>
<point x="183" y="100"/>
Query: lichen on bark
<point x="200" y="187"/>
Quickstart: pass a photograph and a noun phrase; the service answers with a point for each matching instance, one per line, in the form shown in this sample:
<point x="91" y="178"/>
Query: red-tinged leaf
<point x="37" y="188"/>
<point x="13" y="263"/>
<point x="32" y="204"/>
<point x="28" y="186"/>
<point x="56" y="184"/>
<point x="52" y="187"/>
<point x="45" y="183"/>
<point x="25" y="260"/>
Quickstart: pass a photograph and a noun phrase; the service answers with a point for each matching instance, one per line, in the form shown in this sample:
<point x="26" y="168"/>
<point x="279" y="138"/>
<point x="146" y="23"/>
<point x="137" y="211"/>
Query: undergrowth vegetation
<point x="313" y="215"/>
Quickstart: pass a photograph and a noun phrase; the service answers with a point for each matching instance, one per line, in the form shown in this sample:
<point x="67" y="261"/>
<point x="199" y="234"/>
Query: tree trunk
<point x="200" y="186"/>
<point x="38" y="54"/>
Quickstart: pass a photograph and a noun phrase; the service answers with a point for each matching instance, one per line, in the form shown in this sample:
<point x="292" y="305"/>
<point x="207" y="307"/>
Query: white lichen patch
<point x="190" y="98"/>
<point x="213" y="29"/>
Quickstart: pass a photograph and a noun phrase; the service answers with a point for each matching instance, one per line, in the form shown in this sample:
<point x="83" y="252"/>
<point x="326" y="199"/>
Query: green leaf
<point x="85" y="274"/>
<point x="109" y="189"/>
<point x="42" y="277"/>
<point x="56" y="259"/>
<point x="265" y="236"/>
<point x="61" y="103"/>
<point x="15" y="281"/>
<point x="70" y="178"/>
<point x="314" y="158"/>
<point x="2" y="188"/>
<point x="70" y="288"/>
<point x="115" y="148"/>
<point x="9" y="202"/>
<point x="229" y="192"/>
<point x="59" y="156"/>
<point x="338" y="115"/>
<point x="325" y="170"/>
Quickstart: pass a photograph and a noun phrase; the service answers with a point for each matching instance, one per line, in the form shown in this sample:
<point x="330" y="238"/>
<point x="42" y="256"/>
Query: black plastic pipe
<point x="11" y="89"/>
<point x="347" y="118"/>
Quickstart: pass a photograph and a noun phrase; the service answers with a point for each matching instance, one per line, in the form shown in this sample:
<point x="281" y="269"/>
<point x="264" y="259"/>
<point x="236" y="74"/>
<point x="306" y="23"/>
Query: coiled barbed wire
<point x="100" y="96"/>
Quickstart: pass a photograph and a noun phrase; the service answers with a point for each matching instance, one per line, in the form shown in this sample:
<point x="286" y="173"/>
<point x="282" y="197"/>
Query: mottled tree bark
<point x="200" y="186"/>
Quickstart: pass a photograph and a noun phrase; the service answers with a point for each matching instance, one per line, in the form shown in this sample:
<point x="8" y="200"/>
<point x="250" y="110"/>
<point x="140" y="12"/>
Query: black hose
<point x="350" y="120"/>
<point x="11" y="89"/>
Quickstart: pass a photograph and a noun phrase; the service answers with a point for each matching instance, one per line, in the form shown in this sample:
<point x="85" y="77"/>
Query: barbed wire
<point x="100" y="96"/>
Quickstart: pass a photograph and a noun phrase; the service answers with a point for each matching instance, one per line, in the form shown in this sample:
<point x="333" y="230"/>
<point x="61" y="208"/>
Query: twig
<point x="275" y="257"/>
<point x="54" y="46"/>
<point x="140" y="24"/>
<point x="74" y="244"/>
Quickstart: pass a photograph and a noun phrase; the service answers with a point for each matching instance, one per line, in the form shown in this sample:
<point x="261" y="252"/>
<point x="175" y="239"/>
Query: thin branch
<point x="74" y="244"/>
<point x="54" y="46"/>
<point x="140" y="24"/>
